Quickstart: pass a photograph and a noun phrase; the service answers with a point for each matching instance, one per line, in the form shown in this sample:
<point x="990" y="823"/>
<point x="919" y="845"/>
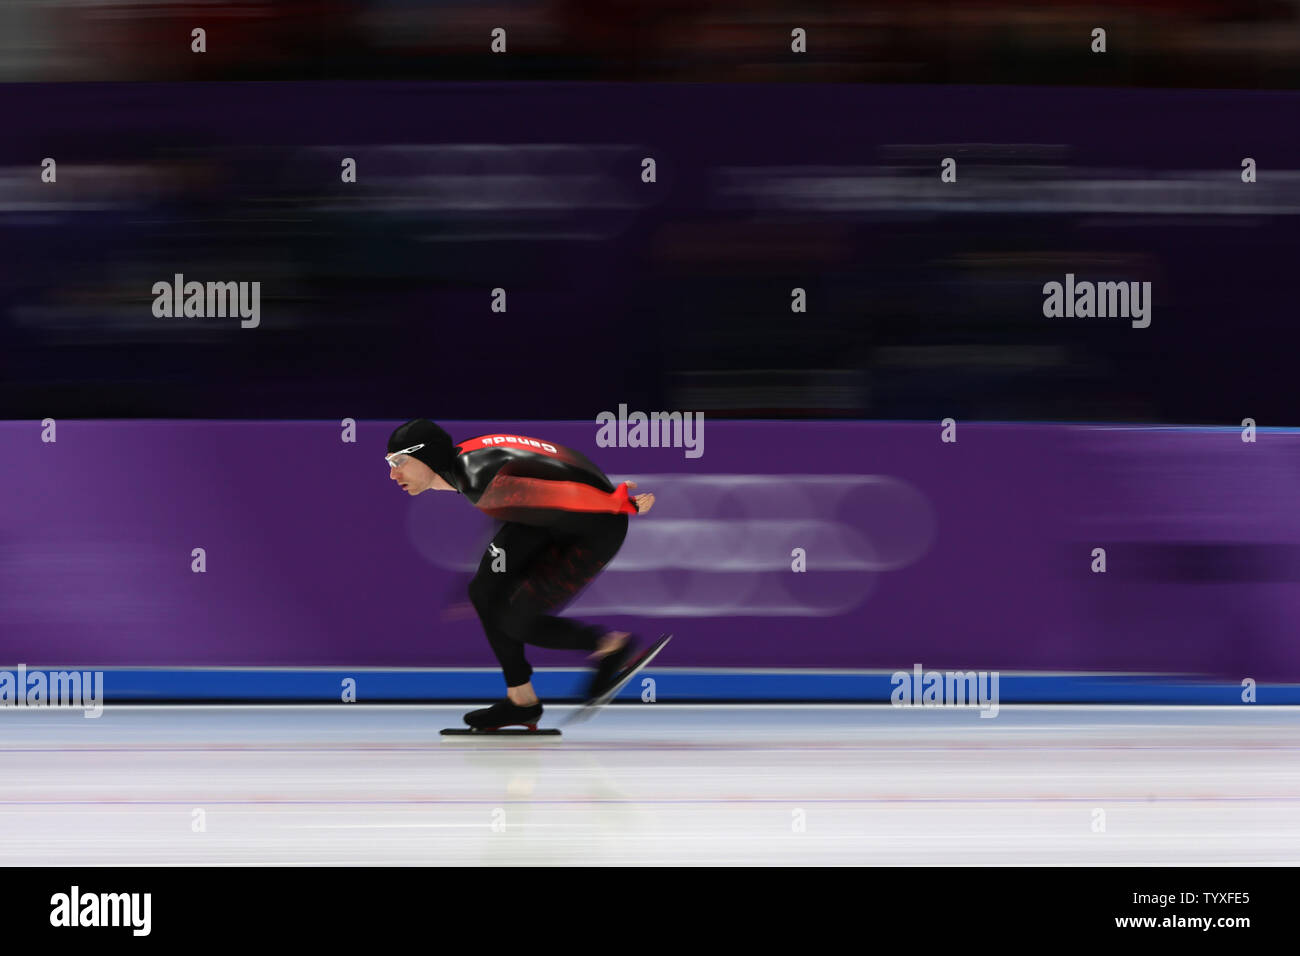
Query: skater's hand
<point x="644" y="502"/>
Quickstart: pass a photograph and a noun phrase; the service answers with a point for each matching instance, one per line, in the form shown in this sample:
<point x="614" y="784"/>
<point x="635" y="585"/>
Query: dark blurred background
<point x="1174" y="43"/>
<point x="924" y="299"/>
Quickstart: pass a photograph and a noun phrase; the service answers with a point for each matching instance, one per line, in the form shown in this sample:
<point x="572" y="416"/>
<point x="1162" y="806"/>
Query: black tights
<point x="544" y="568"/>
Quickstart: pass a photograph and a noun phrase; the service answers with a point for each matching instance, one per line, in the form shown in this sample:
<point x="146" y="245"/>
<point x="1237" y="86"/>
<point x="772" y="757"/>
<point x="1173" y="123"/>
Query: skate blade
<point x="501" y="732"/>
<point x="587" y="711"/>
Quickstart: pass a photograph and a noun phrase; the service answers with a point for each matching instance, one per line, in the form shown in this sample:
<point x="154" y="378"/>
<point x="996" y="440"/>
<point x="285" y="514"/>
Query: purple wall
<point x="973" y="553"/>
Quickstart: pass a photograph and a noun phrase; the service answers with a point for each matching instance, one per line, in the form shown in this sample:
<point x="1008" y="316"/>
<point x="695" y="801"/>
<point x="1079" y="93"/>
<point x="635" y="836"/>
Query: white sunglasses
<point x="397" y="454"/>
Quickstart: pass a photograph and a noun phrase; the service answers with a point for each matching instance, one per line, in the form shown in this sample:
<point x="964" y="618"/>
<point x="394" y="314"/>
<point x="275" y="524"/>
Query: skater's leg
<point x="555" y="577"/>
<point x="514" y="547"/>
<point x="543" y="570"/>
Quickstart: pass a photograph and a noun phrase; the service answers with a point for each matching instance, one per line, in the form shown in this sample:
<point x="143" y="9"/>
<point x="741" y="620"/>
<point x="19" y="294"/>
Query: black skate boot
<point x="614" y="671"/>
<point x="504" y="713"/>
<point x="609" y="667"/>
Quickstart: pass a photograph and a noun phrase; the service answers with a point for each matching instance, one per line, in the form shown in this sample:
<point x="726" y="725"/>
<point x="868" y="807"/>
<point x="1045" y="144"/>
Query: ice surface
<point x="652" y="784"/>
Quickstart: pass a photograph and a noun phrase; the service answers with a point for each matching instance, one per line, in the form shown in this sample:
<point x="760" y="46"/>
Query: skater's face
<point x="412" y="475"/>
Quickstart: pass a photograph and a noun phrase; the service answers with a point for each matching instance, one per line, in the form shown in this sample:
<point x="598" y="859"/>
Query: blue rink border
<point x="324" y="685"/>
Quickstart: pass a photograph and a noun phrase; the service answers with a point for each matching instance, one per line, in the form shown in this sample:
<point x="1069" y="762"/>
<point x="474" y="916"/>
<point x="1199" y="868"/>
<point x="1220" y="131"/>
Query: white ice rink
<point x="652" y="784"/>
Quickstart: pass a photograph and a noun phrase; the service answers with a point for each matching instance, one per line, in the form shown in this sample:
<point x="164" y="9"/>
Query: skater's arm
<point x="509" y="493"/>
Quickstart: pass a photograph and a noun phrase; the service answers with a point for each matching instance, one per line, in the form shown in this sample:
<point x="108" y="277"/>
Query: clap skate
<point x="503" y="718"/>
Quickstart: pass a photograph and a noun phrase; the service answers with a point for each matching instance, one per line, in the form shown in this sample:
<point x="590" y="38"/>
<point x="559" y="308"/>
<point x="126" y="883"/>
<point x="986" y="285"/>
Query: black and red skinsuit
<point x="563" y="522"/>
